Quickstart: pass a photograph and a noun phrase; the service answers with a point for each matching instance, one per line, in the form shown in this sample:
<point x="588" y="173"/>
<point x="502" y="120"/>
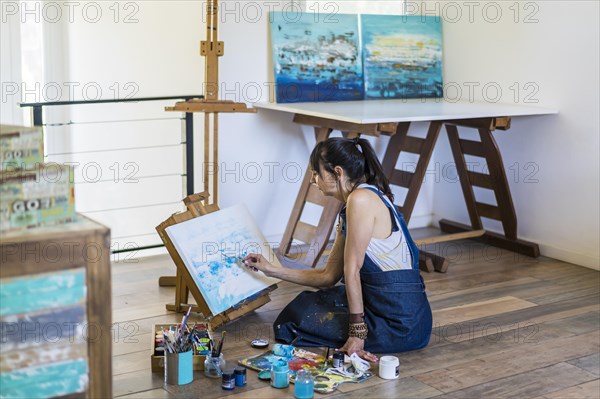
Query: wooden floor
<point x="505" y="325"/>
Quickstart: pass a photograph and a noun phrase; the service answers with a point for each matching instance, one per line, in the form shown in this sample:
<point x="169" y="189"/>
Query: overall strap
<point x="397" y="215"/>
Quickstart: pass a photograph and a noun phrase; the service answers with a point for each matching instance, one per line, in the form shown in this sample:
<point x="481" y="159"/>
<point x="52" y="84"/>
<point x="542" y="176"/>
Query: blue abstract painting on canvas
<point x="402" y="56"/>
<point x="316" y="58"/>
<point x="211" y="247"/>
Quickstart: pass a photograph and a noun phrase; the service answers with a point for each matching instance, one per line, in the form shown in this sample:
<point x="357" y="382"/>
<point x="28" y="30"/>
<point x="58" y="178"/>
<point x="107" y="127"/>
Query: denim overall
<point x="396" y="308"/>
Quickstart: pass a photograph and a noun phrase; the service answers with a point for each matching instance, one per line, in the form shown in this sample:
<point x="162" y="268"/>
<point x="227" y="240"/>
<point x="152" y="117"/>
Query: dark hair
<point x="356" y="157"/>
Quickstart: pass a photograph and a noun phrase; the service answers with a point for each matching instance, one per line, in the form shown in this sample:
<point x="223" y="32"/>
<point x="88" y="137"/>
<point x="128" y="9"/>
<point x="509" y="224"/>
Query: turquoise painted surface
<point x="28" y="294"/>
<point x="46" y="381"/>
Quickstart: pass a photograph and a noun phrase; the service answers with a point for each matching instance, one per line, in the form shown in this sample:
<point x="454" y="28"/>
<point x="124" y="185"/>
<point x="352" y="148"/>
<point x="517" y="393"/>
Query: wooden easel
<point x="184" y="281"/>
<point x="210" y="106"/>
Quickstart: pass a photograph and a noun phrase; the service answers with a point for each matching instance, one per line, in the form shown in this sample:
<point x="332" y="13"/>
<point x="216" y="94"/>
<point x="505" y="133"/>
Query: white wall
<point x="10" y="72"/>
<point x="261" y="153"/>
<point x="551" y="161"/>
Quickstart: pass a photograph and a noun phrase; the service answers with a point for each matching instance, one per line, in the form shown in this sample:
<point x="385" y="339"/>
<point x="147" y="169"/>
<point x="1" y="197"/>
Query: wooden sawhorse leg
<point x="315" y="236"/>
<point x="402" y="142"/>
<point x="496" y="180"/>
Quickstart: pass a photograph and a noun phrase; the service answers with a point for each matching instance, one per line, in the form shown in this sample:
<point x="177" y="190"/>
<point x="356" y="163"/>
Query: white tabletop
<point x="414" y="110"/>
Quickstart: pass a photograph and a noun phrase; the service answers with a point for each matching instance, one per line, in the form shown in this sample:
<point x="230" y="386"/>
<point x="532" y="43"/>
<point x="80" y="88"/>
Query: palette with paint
<point x="301" y="359"/>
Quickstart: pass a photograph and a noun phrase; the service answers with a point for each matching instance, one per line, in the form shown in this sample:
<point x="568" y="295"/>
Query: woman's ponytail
<point x="374" y="174"/>
<point x="356" y="157"/>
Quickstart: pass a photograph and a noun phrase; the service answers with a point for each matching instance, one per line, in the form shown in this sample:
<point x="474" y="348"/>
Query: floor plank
<point x="588" y="390"/>
<point x="526" y="358"/>
<point x="151" y="394"/>
<point x="529" y="384"/>
<point x="408" y="387"/>
<point x="589" y="363"/>
<point x="477" y="310"/>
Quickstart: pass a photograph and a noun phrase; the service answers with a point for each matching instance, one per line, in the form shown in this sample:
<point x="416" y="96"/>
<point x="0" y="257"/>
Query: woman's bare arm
<point x="318" y="278"/>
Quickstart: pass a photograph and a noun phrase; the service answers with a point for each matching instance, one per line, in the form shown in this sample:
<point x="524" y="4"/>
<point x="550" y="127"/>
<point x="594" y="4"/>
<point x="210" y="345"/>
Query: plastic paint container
<point x="389" y="367"/>
<point x="228" y="381"/>
<point x="280" y="375"/>
<point x="240" y="376"/>
<point x="259" y="343"/>
<point x="338" y="359"/>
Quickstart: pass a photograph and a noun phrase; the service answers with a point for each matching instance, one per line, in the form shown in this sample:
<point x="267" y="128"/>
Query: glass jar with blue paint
<point x="280" y="374"/>
<point x="304" y="386"/>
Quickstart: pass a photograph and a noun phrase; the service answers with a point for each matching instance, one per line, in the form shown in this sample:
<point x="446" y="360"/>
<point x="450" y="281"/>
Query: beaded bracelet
<point x="358" y="330"/>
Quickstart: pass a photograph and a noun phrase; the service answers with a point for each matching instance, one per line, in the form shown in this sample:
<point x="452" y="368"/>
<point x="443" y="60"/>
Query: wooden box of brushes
<point x="157" y="357"/>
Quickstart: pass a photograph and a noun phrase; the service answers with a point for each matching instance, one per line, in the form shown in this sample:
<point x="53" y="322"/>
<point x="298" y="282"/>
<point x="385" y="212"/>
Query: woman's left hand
<point x="357" y="345"/>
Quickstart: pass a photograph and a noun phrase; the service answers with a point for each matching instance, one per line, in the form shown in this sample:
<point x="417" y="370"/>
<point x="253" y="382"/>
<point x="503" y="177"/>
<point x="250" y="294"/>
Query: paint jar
<point x="389" y="367"/>
<point x="228" y="381"/>
<point x="282" y="350"/>
<point x="304" y="386"/>
<point x="280" y="375"/>
<point x="214" y="366"/>
<point x="240" y="376"/>
<point x="179" y="368"/>
<point x="338" y="359"/>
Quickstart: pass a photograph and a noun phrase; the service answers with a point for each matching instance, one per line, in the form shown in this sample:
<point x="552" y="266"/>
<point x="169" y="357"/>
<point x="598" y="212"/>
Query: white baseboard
<point x="551" y="251"/>
<point x="570" y="256"/>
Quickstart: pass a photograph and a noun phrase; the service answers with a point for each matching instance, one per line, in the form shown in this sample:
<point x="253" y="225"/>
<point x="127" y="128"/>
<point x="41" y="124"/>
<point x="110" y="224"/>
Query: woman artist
<point x="381" y="306"/>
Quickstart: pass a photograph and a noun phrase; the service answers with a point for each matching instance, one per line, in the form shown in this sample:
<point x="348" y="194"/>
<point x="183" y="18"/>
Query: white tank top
<point x="391" y="253"/>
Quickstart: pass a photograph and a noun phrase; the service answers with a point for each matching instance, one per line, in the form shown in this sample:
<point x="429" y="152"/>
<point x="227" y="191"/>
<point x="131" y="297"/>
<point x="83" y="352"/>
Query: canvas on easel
<point x="207" y="245"/>
<point x="212" y="248"/>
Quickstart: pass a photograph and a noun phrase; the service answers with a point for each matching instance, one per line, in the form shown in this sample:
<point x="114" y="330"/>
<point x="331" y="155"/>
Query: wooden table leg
<point x="402" y="142"/>
<point x="315" y="236"/>
<point x="428" y="262"/>
<point x="495" y="180"/>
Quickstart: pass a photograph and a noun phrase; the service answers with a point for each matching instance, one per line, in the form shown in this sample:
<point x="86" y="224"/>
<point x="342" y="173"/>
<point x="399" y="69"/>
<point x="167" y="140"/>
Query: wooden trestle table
<point x="393" y="118"/>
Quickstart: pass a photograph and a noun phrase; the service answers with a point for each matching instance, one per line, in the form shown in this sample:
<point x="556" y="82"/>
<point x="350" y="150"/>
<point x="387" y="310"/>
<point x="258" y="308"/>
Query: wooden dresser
<point x="55" y="311"/>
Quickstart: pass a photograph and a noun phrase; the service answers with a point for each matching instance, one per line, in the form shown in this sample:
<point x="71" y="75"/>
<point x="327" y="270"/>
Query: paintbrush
<point x="185" y="318"/>
<point x="326" y="359"/>
<point x="295" y="339"/>
<point x="212" y="348"/>
<point x="221" y="343"/>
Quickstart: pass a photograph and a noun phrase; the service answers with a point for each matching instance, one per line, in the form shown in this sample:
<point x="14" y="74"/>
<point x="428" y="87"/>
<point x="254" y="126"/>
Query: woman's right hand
<point x="258" y="262"/>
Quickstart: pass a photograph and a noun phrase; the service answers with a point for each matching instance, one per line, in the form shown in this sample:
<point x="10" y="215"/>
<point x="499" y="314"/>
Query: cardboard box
<point x="21" y="147"/>
<point x="42" y="196"/>
<point x="158" y="362"/>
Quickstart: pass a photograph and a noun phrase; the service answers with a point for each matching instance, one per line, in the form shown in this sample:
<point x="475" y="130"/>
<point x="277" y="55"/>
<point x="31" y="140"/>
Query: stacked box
<point x="20" y="147"/>
<point x="41" y="196"/>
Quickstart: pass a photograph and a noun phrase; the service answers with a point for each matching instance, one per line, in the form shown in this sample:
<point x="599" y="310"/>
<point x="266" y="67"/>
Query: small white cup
<point x="389" y="367"/>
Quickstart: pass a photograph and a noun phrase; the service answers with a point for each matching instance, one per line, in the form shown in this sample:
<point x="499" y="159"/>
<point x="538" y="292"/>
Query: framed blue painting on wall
<point x="355" y="57"/>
